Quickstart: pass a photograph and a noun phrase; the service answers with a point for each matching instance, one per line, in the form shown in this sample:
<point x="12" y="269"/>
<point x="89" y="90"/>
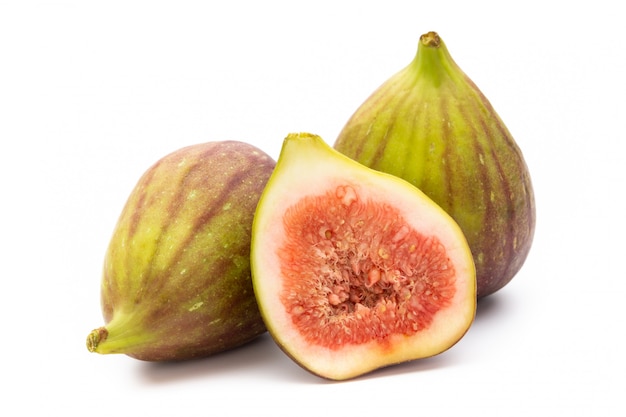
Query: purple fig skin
<point x="176" y="283"/>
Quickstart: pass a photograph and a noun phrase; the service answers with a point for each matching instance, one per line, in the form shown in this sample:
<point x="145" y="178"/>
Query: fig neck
<point x="433" y="61"/>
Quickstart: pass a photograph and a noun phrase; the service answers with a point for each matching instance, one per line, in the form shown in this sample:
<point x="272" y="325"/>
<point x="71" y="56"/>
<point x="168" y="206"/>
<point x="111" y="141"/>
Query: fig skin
<point x="176" y="283"/>
<point x="325" y="221"/>
<point x="430" y="125"/>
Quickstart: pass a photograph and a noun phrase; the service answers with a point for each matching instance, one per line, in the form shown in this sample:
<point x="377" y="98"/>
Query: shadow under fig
<point x="259" y="356"/>
<point x="263" y="356"/>
<point x="493" y="307"/>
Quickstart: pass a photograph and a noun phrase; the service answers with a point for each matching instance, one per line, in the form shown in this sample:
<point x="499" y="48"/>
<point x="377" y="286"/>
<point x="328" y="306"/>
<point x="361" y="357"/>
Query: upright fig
<point x="430" y="125"/>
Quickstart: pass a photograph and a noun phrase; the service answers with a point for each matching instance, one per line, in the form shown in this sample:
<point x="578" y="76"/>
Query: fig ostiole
<point x="176" y="281"/>
<point x="355" y="269"/>
<point x="430" y="125"/>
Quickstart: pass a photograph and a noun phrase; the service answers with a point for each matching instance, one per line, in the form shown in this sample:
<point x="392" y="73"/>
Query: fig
<point x="176" y="282"/>
<point x="430" y="125"/>
<point x="355" y="269"/>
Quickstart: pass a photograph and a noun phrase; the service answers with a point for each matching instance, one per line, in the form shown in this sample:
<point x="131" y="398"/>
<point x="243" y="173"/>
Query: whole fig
<point x="430" y="125"/>
<point x="176" y="282"/>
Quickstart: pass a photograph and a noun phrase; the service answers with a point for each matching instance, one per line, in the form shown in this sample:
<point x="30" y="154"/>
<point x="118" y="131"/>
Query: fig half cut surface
<point x="354" y="269"/>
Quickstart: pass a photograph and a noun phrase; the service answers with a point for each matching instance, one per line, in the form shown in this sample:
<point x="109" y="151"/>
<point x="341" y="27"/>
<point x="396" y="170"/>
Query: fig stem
<point x="434" y="63"/>
<point x="120" y="335"/>
<point x="95" y="337"/>
<point x="431" y="39"/>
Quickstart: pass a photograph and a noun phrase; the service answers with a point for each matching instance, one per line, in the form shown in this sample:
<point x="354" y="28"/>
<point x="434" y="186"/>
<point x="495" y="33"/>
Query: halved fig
<point x="354" y="269"/>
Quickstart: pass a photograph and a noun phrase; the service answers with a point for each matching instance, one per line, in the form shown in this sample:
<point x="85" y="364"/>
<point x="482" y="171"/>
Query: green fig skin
<point x="430" y="125"/>
<point x="176" y="283"/>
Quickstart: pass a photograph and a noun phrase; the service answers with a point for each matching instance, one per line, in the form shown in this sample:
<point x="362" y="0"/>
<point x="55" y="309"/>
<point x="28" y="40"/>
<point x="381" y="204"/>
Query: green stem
<point x="433" y="61"/>
<point x="120" y="335"/>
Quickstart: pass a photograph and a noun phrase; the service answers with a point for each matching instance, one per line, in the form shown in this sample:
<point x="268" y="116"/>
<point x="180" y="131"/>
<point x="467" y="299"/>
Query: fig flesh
<point x="430" y="125"/>
<point x="176" y="282"/>
<point x="354" y="269"/>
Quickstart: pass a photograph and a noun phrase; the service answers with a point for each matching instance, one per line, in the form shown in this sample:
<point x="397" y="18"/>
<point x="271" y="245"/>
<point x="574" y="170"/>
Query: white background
<point x="93" y="92"/>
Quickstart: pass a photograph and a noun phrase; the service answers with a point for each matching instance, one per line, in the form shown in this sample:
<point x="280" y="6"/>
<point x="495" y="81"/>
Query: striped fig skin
<point x="176" y="282"/>
<point x="430" y="125"/>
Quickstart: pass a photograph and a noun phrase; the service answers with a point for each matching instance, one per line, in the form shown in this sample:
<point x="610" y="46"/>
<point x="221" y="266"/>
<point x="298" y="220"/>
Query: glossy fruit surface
<point x="430" y="125"/>
<point x="355" y="269"/>
<point x="176" y="282"/>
